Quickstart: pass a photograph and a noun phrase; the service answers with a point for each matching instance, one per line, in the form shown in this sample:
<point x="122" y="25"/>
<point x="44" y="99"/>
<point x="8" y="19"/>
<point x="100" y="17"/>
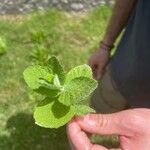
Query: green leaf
<point x="76" y="90"/>
<point x="48" y="85"/>
<point x="56" y="81"/>
<point x="79" y="71"/>
<point x="56" y="67"/>
<point x="62" y="100"/>
<point x="33" y="73"/>
<point x="52" y="114"/>
<point x="48" y="92"/>
<point x="83" y="109"/>
<point x="38" y="78"/>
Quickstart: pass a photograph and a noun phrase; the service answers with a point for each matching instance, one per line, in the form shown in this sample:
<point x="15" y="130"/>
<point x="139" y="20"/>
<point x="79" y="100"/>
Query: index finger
<point x="79" y="139"/>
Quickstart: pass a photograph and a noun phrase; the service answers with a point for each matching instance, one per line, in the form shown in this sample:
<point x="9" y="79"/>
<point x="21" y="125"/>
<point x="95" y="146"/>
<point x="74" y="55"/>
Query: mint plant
<point x="38" y="36"/>
<point x="40" y="54"/>
<point x="64" y="92"/>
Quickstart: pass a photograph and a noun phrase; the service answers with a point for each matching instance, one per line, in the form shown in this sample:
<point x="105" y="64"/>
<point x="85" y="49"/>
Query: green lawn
<point x="32" y="39"/>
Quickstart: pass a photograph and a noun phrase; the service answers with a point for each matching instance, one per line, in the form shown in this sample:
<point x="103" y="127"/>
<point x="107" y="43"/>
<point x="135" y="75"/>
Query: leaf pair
<point x="63" y="92"/>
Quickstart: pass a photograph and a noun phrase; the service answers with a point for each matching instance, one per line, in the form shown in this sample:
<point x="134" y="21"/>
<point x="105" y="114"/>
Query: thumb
<point x="106" y="124"/>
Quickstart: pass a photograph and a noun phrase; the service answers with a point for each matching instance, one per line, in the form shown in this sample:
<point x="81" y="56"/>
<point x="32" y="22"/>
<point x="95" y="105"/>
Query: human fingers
<point x="95" y="72"/>
<point x="94" y="66"/>
<point x="106" y="124"/>
<point x="99" y="72"/>
<point x="79" y="140"/>
<point x="132" y="126"/>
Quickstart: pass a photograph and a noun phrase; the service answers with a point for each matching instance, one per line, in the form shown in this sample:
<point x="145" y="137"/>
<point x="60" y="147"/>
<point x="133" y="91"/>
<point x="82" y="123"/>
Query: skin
<point x="132" y="127"/>
<point x="100" y="58"/>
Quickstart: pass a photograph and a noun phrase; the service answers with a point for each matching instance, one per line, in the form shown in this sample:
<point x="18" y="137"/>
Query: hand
<point x="132" y="127"/>
<point x="98" y="62"/>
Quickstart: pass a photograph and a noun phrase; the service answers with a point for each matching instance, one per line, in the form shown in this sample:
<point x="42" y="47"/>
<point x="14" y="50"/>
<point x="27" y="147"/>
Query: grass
<point x="72" y="38"/>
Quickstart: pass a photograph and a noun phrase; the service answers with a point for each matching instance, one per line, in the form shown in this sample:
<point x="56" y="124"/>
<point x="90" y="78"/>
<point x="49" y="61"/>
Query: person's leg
<point x="106" y="98"/>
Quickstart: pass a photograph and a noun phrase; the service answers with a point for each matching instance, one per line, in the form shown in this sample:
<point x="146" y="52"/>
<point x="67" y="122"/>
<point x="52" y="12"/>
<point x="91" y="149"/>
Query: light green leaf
<point x="52" y="114"/>
<point x="48" y="85"/>
<point x="56" y="81"/>
<point x="56" y="67"/>
<point x="77" y="90"/>
<point x="33" y="73"/>
<point x="83" y="109"/>
<point x="79" y="71"/>
<point x="35" y="76"/>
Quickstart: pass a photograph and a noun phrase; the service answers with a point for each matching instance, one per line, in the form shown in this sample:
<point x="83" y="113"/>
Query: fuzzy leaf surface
<point x="76" y="90"/>
<point x="52" y="114"/>
<point x="79" y="71"/>
<point x="33" y="73"/>
<point x="83" y="109"/>
<point x="48" y="85"/>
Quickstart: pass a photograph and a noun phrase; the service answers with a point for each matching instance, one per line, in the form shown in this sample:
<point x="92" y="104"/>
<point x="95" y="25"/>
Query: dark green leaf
<point x="56" y="67"/>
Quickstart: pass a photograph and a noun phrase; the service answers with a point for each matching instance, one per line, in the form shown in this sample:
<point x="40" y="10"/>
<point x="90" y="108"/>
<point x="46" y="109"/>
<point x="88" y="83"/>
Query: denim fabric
<point x="130" y="66"/>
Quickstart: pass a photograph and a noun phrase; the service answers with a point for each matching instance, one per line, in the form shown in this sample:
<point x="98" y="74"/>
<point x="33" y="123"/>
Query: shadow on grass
<point x="25" y="135"/>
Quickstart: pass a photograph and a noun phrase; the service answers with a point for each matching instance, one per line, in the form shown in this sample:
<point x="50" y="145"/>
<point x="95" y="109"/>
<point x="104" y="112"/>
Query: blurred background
<point x="30" y="32"/>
